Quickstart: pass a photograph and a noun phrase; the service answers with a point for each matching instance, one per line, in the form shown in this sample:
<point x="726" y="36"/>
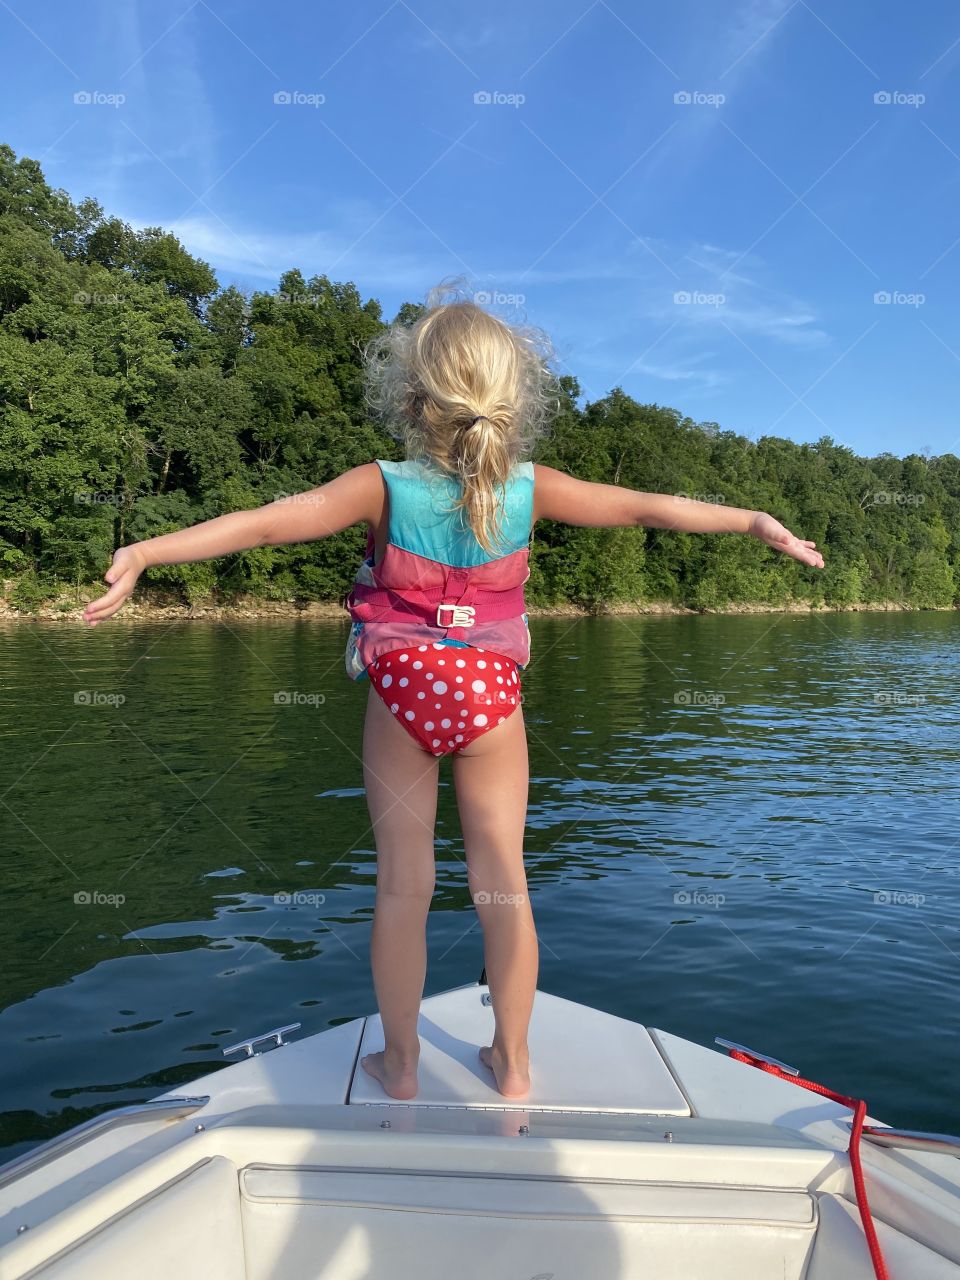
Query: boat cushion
<point x="841" y="1252"/>
<point x="341" y="1224"/>
<point x="188" y="1229"/>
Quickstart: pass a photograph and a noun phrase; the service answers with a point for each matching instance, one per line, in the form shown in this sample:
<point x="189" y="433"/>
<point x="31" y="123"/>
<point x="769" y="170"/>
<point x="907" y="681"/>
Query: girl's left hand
<point x="128" y="564"/>
<point x="775" y="535"/>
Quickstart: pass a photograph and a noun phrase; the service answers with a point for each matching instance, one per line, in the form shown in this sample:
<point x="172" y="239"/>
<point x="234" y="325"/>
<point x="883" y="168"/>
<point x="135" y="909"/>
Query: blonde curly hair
<point x="467" y="393"/>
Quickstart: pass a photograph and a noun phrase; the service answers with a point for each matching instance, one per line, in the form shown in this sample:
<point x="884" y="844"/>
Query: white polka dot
<point x="387" y="681"/>
<point x="459" y="679"/>
<point x="403" y="681"/>
<point x="444" y="724"/>
<point x="440" y="686"/>
<point x="421" y="694"/>
<point x="408" y="714"/>
<point x="499" y="679"/>
<point x="498" y="666"/>
<point x="421" y="648"/>
<point x="436" y="742"/>
<point x="461" y="663"/>
<point x="459" y="695"/>
<point x="438" y="646"/>
<point x="461" y="725"/>
<point x="428" y="725"/>
<point x="480" y="719"/>
<point x="479" y="686"/>
<point x="459" y="737"/>
<point x="501" y="720"/>
<point x="438" y="706"/>
<point x="403" y="657"/>
<point x="450" y="742"/>
<point x="395" y="707"/>
<point x="428" y="675"/>
<point x="441" y="662"/>
<point x="481" y="664"/>
<point x="417" y="665"/>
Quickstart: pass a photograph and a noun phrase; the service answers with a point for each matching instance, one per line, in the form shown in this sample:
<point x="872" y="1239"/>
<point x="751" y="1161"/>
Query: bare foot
<point x="398" y="1076"/>
<point x="513" y="1079"/>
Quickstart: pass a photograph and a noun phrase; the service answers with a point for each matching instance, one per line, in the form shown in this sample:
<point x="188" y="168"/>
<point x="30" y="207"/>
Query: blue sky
<point x="700" y="202"/>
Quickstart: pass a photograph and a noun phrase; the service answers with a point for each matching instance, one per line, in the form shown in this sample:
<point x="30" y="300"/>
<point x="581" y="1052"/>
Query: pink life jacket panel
<point x="436" y="583"/>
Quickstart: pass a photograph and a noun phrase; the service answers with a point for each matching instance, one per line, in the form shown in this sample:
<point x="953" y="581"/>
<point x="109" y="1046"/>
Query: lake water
<point x="739" y="826"/>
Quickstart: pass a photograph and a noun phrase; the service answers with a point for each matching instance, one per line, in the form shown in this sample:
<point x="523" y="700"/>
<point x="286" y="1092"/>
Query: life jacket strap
<point x="382" y="604"/>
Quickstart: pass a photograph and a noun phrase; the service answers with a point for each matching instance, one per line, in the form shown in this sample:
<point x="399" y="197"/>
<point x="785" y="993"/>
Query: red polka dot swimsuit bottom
<point x="446" y="696"/>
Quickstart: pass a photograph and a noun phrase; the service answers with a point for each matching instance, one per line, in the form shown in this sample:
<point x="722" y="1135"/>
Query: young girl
<point x="440" y="633"/>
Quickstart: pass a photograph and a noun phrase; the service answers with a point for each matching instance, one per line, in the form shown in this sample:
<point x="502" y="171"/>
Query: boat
<point x="637" y="1153"/>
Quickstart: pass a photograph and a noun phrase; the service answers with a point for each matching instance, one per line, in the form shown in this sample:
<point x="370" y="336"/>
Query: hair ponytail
<point x="467" y="392"/>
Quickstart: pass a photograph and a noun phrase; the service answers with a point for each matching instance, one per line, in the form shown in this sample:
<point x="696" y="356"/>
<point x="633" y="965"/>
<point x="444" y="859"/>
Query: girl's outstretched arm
<point x="355" y="496"/>
<point x="558" y="496"/>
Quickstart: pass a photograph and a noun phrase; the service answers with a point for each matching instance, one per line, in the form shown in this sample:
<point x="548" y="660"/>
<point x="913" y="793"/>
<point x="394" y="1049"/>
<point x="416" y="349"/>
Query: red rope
<point x="859" y="1109"/>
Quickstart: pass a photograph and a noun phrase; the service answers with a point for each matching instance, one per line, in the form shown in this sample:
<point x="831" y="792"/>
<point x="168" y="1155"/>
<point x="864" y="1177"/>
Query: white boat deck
<point x="608" y="1065"/>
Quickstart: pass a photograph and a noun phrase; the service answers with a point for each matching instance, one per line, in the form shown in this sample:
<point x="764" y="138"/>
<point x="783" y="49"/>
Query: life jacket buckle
<point x="462" y="615"/>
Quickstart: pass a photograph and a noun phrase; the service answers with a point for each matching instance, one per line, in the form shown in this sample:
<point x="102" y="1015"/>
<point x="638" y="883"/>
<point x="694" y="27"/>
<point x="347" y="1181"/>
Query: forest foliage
<point x="138" y="396"/>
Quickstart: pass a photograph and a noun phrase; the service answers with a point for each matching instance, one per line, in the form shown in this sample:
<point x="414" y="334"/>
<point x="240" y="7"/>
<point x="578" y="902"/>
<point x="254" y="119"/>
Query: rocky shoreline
<point x="154" y="608"/>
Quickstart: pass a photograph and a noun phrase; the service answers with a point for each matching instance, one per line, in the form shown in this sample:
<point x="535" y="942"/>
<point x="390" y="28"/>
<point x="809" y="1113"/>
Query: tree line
<point x="138" y="396"/>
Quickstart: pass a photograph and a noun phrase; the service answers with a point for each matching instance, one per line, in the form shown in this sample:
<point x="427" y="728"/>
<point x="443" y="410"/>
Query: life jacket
<point x="435" y="582"/>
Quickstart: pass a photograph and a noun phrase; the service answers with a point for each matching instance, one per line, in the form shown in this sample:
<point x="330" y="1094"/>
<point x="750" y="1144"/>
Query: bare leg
<point x="401" y="786"/>
<point x="491" y="777"/>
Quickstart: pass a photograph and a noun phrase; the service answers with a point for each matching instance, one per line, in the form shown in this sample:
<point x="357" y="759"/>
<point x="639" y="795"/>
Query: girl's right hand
<point x="128" y="564"/>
